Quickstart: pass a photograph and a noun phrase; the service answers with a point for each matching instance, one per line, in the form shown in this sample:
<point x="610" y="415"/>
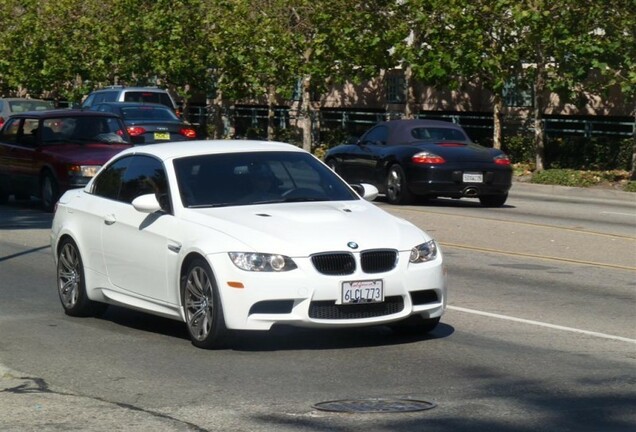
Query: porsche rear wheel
<point x="71" y="284"/>
<point x="397" y="191"/>
<point x="202" y="306"/>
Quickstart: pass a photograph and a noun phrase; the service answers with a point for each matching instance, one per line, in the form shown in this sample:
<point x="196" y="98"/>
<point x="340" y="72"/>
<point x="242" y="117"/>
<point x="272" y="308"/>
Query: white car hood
<point x="302" y="229"/>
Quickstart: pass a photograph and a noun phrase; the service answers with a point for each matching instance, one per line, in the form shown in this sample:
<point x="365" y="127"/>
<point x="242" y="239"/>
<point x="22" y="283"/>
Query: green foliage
<point x="602" y="153"/>
<point x="583" y="178"/>
<point x="630" y="186"/>
<point x="520" y="148"/>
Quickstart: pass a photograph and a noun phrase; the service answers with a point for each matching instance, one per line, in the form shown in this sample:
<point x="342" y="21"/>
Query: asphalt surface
<point x="28" y="404"/>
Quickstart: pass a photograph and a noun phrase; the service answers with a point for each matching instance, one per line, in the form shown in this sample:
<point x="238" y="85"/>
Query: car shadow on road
<point x="24" y="214"/>
<point x="440" y="202"/>
<point x="279" y="338"/>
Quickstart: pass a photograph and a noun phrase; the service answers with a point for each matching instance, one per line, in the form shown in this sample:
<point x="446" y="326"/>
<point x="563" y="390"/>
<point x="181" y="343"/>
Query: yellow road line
<point x="542" y="257"/>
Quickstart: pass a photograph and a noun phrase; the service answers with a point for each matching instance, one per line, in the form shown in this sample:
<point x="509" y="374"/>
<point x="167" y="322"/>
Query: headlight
<point x="261" y="262"/>
<point x="424" y="252"/>
<point x="83" y="170"/>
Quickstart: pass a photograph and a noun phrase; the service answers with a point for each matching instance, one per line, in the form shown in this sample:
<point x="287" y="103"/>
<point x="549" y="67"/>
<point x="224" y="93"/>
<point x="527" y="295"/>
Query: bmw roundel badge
<point x="353" y="245"/>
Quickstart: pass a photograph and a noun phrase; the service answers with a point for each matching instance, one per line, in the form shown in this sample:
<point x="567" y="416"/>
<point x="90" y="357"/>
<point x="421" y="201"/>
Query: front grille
<point x="328" y="309"/>
<point x="336" y="263"/>
<point x="378" y="261"/>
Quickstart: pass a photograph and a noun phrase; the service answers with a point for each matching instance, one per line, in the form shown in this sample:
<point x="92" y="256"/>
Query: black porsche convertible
<point x="405" y="159"/>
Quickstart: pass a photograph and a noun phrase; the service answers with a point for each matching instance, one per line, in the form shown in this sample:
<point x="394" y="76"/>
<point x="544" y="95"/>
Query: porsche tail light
<point x="427" y="158"/>
<point x="502" y="159"/>
<point x="188" y="132"/>
<point x="136" y="130"/>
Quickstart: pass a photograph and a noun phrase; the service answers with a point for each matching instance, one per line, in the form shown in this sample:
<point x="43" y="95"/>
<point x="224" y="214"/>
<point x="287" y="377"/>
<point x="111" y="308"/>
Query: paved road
<point x="539" y="335"/>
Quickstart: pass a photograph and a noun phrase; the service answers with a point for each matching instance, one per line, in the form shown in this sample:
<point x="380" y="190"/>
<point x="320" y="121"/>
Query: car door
<point x="362" y="164"/>
<point x="140" y="252"/>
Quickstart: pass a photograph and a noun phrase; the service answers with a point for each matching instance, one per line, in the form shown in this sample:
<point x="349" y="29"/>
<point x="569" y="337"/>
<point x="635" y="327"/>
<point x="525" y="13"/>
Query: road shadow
<point x="441" y="202"/>
<point x="24" y="214"/>
<point x="279" y="338"/>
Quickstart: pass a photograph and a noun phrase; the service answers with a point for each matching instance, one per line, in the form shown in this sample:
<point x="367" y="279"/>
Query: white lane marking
<point x="617" y="213"/>
<point x="542" y="324"/>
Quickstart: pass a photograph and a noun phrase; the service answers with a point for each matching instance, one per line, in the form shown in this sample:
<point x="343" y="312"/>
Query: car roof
<point x="167" y="151"/>
<point x="150" y="89"/>
<point x="135" y="104"/>
<point x="420" y="123"/>
<point x="56" y="113"/>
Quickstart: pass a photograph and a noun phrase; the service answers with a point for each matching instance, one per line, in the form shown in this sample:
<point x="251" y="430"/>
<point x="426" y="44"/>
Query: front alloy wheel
<point x="71" y="284"/>
<point x="397" y="191"/>
<point x="202" y="306"/>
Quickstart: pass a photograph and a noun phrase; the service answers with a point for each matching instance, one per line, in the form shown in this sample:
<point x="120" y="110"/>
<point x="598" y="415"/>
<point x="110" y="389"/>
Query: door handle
<point x="110" y="219"/>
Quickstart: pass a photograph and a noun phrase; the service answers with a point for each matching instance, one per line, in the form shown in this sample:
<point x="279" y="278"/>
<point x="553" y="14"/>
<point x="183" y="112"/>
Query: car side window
<point x="377" y="135"/>
<point x="10" y="132"/>
<point x="27" y="133"/>
<point x="108" y="183"/>
<point x="145" y="175"/>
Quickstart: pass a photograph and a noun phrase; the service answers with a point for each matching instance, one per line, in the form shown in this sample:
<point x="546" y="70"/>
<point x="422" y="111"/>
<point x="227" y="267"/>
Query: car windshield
<point x="438" y="133"/>
<point x="30" y="105"/>
<point x="148" y="113"/>
<point x="249" y="178"/>
<point x="83" y="129"/>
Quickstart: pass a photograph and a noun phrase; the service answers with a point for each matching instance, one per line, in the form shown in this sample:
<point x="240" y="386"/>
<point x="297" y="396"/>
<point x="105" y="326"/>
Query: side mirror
<point x="366" y="191"/>
<point x="146" y="203"/>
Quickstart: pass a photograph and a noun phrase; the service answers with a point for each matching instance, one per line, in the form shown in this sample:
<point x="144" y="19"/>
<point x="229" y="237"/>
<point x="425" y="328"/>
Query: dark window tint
<point x="107" y="96"/>
<point x="108" y="182"/>
<point x="148" y="97"/>
<point x="430" y="133"/>
<point x="145" y="175"/>
<point x="253" y="178"/>
<point x="377" y="135"/>
<point x="147" y="113"/>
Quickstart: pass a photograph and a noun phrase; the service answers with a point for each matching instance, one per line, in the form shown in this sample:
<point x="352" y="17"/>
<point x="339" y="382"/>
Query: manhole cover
<point x="374" y="405"/>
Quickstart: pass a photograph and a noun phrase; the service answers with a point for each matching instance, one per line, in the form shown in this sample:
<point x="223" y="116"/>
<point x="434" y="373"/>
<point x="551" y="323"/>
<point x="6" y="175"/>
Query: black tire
<point x="415" y="325"/>
<point x="202" y="306"/>
<point x="49" y="192"/>
<point x="493" y="200"/>
<point x="71" y="284"/>
<point x="397" y="191"/>
<point x="4" y="194"/>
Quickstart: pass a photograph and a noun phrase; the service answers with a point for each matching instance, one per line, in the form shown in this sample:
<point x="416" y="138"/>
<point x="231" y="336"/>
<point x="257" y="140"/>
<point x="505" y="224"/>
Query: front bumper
<point x="305" y="298"/>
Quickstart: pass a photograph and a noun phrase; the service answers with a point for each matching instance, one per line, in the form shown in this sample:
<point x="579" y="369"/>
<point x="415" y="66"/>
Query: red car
<point x="45" y="153"/>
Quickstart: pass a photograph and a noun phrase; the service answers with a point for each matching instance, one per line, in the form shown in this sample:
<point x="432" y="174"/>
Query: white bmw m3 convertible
<point x="241" y="235"/>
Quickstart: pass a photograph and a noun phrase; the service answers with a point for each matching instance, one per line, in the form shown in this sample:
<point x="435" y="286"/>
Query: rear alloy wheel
<point x="71" y="285"/>
<point x="49" y="192"/>
<point x="493" y="200"/>
<point x="415" y="325"/>
<point x="397" y="191"/>
<point x="202" y="306"/>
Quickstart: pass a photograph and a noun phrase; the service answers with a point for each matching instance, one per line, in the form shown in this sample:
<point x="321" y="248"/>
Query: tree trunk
<point x="409" y="102"/>
<point x="539" y="128"/>
<point x="633" y="172"/>
<point x="305" y="112"/>
<point x="497" y="115"/>
<point x="271" y="103"/>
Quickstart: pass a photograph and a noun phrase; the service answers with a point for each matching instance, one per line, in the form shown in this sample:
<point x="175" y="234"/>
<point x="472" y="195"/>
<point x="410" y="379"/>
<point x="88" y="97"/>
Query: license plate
<point x="162" y="135"/>
<point x="367" y="291"/>
<point x="473" y="177"/>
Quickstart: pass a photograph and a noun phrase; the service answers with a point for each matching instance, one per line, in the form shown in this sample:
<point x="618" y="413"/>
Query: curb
<point x="566" y="193"/>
